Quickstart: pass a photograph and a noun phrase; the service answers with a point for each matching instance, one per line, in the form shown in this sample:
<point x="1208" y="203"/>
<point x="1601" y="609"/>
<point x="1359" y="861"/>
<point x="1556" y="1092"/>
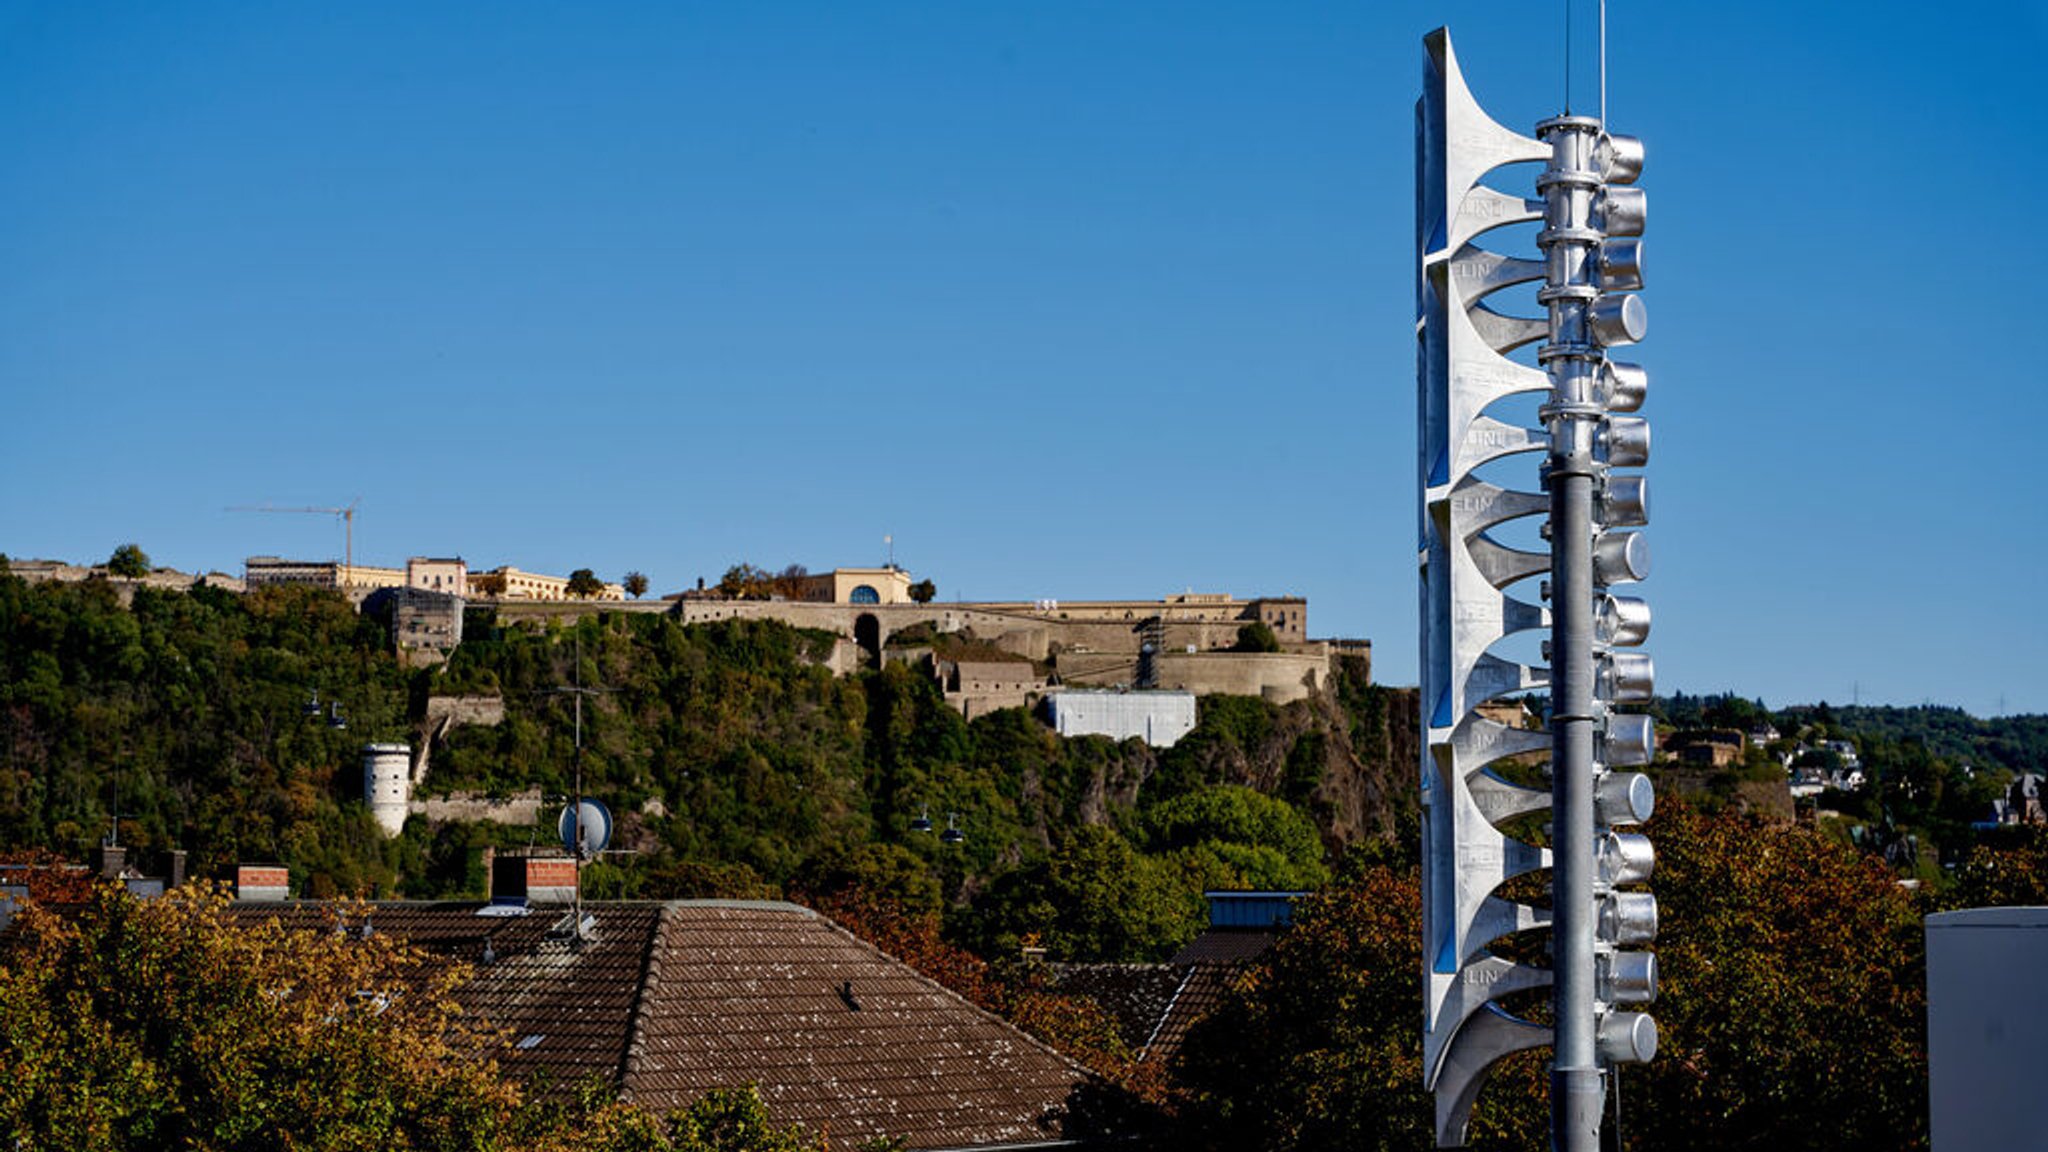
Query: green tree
<point x="635" y="584"/>
<point x="1235" y="837"/>
<point x="584" y="584"/>
<point x="1096" y="898"/>
<point x="1257" y="636"/>
<point x="923" y="592"/>
<point x="884" y="872"/>
<point x="129" y="561"/>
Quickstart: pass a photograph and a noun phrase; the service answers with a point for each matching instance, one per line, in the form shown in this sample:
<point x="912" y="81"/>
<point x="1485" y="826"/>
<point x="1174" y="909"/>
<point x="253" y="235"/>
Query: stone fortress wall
<point x="1095" y="642"/>
<point x="163" y="579"/>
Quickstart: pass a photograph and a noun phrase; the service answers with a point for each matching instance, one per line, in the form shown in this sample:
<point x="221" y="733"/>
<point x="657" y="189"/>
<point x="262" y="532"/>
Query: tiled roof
<point x="1135" y="995"/>
<point x="1225" y="946"/>
<point x="671" y="1000"/>
<point x="566" y="1010"/>
<point x="1156" y="1004"/>
<point x="1204" y="990"/>
<point x="838" y="1035"/>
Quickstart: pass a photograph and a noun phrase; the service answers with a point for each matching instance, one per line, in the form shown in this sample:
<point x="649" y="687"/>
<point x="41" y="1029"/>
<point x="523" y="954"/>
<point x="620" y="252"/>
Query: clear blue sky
<point x="1075" y="300"/>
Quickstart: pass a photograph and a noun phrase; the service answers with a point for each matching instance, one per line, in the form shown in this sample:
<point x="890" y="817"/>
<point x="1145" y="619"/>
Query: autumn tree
<point x="1793" y="1005"/>
<point x="789" y="583"/>
<point x="1320" y="1047"/>
<point x="127" y="1023"/>
<point x="746" y="582"/>
<point x="2010" y="869"/>
<point x="1791" y="1012"/>
<point x="154" y="1024"/>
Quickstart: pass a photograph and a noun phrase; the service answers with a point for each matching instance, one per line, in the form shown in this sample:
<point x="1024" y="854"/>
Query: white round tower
<point x="387" y="783"/>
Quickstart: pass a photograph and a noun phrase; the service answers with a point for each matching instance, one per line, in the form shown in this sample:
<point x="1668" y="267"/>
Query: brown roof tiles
<point x="671" y="1000"/>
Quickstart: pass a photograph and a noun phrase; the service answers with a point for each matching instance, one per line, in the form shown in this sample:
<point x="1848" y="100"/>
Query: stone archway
<point x="867" y="632"/>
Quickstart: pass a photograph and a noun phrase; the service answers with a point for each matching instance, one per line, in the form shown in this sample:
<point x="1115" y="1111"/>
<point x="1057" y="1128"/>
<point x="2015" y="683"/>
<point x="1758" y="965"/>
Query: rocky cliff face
<point x="1346" y="754"/>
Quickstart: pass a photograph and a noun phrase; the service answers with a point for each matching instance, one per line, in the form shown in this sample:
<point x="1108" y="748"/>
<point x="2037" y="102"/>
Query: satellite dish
<point x="597" y="829"/>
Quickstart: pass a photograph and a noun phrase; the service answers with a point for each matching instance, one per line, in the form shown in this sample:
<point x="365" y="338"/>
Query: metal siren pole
<point x="1589" y="264"/>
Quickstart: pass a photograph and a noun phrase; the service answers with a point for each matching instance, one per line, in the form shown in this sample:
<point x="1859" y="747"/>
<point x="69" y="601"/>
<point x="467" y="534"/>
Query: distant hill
<point x="2014" y="743"/>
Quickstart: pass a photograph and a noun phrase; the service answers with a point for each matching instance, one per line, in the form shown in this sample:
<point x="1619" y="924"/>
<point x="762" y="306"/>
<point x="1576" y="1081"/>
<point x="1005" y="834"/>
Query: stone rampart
<point x="487" y="711"/>
<point x="1021" y="630"/>
<point x="1279" y="677"/>
<point x="521" y="808"/>
<point x="1090" y="642"/>
<point x="161" y="579"/>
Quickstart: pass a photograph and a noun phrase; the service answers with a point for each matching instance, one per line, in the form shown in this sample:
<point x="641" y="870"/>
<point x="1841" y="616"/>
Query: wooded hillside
<point x="739" y="764"/>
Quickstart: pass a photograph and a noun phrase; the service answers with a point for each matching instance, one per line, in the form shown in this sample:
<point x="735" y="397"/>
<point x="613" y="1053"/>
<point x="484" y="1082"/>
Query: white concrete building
<point x="1158" y="718"/>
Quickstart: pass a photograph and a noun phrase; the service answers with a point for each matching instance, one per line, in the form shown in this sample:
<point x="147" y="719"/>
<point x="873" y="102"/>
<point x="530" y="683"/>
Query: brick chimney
<point x="533" y="879"/>
<point x="262" y="882"/>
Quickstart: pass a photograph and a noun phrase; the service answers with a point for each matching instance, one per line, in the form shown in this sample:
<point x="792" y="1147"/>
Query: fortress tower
<point x="387" y="784"/>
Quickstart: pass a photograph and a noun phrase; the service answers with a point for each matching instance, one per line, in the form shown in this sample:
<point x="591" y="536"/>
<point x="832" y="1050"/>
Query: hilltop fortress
<point x="1190" y="641"/>
<point x="1187" y="641"/>
<point x="987" y="653"/>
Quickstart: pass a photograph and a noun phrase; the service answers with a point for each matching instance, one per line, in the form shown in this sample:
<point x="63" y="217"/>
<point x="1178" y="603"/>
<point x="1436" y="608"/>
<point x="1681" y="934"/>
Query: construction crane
<point x="348" y="527"/>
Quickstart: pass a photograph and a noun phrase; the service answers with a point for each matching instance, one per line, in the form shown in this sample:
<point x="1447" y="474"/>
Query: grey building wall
<point x="1987" y="1028"/>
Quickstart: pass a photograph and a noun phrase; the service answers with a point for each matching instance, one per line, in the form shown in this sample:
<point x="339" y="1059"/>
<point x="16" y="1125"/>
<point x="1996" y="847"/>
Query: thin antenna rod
<point x="1567" y="57"/>
<point x="576" y="821"/>
<point x="575" y="845"/>
<point x="1603" y="63"/>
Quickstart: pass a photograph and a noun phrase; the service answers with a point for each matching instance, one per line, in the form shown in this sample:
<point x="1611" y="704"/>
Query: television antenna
<point x="582" y="844"/>
<point x="113" y="837"/>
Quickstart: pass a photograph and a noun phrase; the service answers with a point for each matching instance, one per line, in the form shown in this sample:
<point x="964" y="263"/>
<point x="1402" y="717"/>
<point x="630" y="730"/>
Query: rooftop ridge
<point x="1159" y="1025"/>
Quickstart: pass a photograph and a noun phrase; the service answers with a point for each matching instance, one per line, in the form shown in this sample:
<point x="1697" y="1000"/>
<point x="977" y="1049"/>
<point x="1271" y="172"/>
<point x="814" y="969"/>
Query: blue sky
<point x="1072" y="300"/>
